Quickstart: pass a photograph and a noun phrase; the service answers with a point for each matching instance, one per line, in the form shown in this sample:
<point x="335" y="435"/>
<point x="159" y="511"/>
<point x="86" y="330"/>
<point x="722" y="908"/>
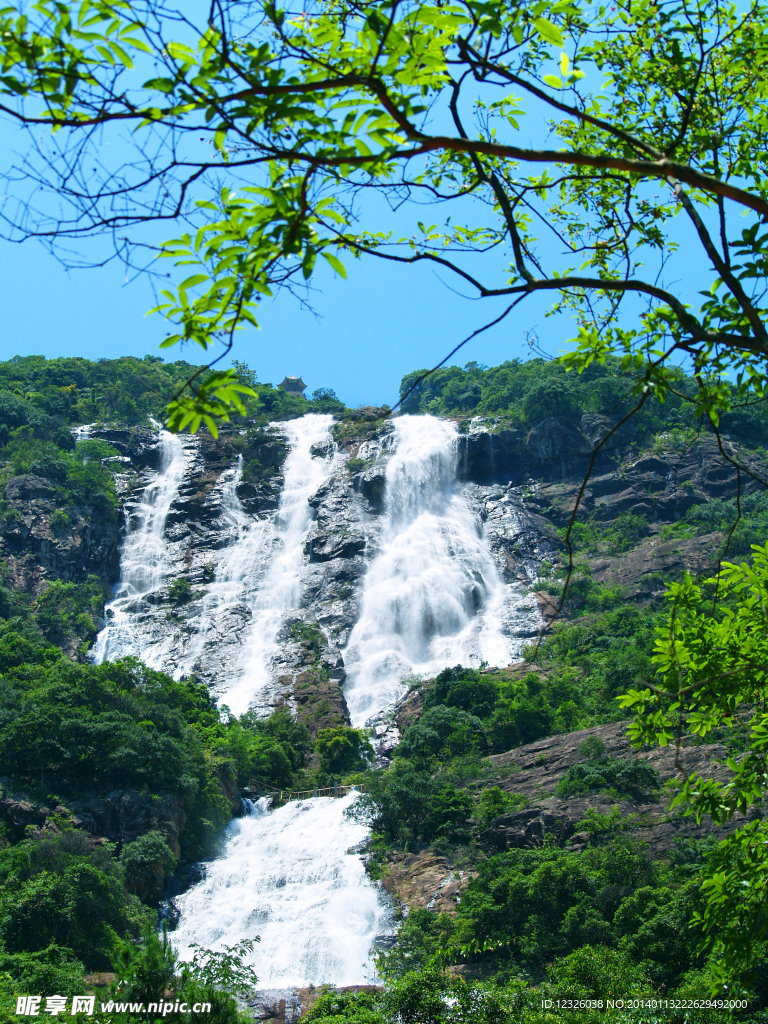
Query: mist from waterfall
<point x="287" y="877"/>
<point x="433" y="596"/>
<point x="280" y="589"/>
<point x="144" y="563"/>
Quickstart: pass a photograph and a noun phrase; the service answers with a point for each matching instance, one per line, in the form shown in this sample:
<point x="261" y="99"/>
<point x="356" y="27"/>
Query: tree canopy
<point x="593" y="152"/>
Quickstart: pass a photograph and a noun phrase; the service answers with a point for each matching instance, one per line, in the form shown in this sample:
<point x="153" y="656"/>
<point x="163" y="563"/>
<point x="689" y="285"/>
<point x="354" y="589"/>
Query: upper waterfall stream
<point x="143" y="564"/>
<point x="280" y="590"/>
<point x="231" y="595"/>
<point x="433" y="596"/>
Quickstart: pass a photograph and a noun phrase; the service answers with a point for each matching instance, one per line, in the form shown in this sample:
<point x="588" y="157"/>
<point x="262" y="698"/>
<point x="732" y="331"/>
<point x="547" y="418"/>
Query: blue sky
<point x="370" y="330"/>
<point x="382" y="322"/>
<point x="365" y="333"/>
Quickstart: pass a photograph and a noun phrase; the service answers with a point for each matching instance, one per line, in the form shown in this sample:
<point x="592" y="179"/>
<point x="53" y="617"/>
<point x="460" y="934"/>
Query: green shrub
<point x="616" y="775"/>
<point x="47" y="972"/>
<point x="64" y="891"/>
<point x="147" y="861"/>
<point x="343" y="749"/>
<point x="406" y="805"/>
<point x="180" y="591"/>
<point x="597" y="973"/>
<point x="494" y="802"/>
<point x="441" y="734"/>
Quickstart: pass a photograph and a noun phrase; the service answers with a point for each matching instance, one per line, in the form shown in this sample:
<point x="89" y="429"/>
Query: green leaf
<point x="337" y="265"/>
<point x="194" y="280"/>
<point x="549" y="33"/>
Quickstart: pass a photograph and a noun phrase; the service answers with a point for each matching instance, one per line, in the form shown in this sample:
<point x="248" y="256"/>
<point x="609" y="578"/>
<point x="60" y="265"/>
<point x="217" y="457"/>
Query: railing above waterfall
<point x="284" y="796"/>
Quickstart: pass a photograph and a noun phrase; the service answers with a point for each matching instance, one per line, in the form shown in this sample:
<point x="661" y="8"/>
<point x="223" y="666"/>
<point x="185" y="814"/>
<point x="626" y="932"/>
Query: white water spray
<point x="433" y="596"/>
<point x="286" y="876"/>
<point x="145" y="561"/>
<point x="280" y="589"/>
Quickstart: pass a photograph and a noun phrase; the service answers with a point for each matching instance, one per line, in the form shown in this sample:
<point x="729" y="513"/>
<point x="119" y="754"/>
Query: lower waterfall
<point x="287" y="877"/>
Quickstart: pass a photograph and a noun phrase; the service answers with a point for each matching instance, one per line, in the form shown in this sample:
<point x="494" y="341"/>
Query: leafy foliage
<point x="343" y="749"/>
<point x="712" y="666"/>
<point x="407" y="804"/>
<point x="615" y="775"/>
<point x="39" y="397"/>
<point x="521" y="393"/>
<point x="122" y="724"/>
<point x="150" y="969"/>
<point x="76" y="390"/>
<point x="306" y="113"/>
<point x="147" y="861"/>
<point x="64" y="892"/>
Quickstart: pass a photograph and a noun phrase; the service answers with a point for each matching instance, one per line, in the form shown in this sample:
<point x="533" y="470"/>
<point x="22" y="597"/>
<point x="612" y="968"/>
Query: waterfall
<point x="433" y="596"/>
<point x="231" y="633"/>
<point x="280" y="589"/>
<point x="286" y="876"/>
<point x="145" y="561"/>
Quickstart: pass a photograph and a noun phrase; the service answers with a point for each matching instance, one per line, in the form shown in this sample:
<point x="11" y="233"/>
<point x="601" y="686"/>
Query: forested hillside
<point x="534" y="854"/>
<point x="125" y="390"/>
<point x="525" y="392"/>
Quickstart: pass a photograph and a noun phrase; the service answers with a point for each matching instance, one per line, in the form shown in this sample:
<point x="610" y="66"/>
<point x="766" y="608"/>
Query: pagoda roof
<point x="293" y="383"/>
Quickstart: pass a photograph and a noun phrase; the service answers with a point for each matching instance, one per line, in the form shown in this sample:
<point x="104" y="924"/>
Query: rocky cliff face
<point x="215" y="506"/>
<point x="37" y="545"/>
<point x="532" y="772"/>
<point x="520" y="485"/>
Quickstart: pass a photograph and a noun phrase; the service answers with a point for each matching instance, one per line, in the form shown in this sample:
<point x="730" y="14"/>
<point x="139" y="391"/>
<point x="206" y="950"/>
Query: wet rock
<point x="372" y="485"/>
<point x="319" y="701"/>
<point x="322" y="547"/>
<point x="39" y="544"/>
<point x="425" y="881"/>
<point x="323" y="451"/>
<point x="278" y="1006"/>
<point x="119" y="816"/>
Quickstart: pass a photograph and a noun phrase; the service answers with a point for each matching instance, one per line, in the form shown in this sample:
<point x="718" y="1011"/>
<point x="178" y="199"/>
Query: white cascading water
<point x="144" y="561"/>
<point x="433" y="596"/>
<point x="286" y="877"/>
<point x="279" y="591"/>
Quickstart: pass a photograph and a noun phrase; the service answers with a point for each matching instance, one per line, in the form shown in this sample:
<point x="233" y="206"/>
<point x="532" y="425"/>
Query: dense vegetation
<point x="67" y="729"/>
<point x="605" y="921"/>
<point x="74" y="732"/>
<point x="533" y="924"/>
<point x="522" y="393"/>
<point x="53" y="392"/>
